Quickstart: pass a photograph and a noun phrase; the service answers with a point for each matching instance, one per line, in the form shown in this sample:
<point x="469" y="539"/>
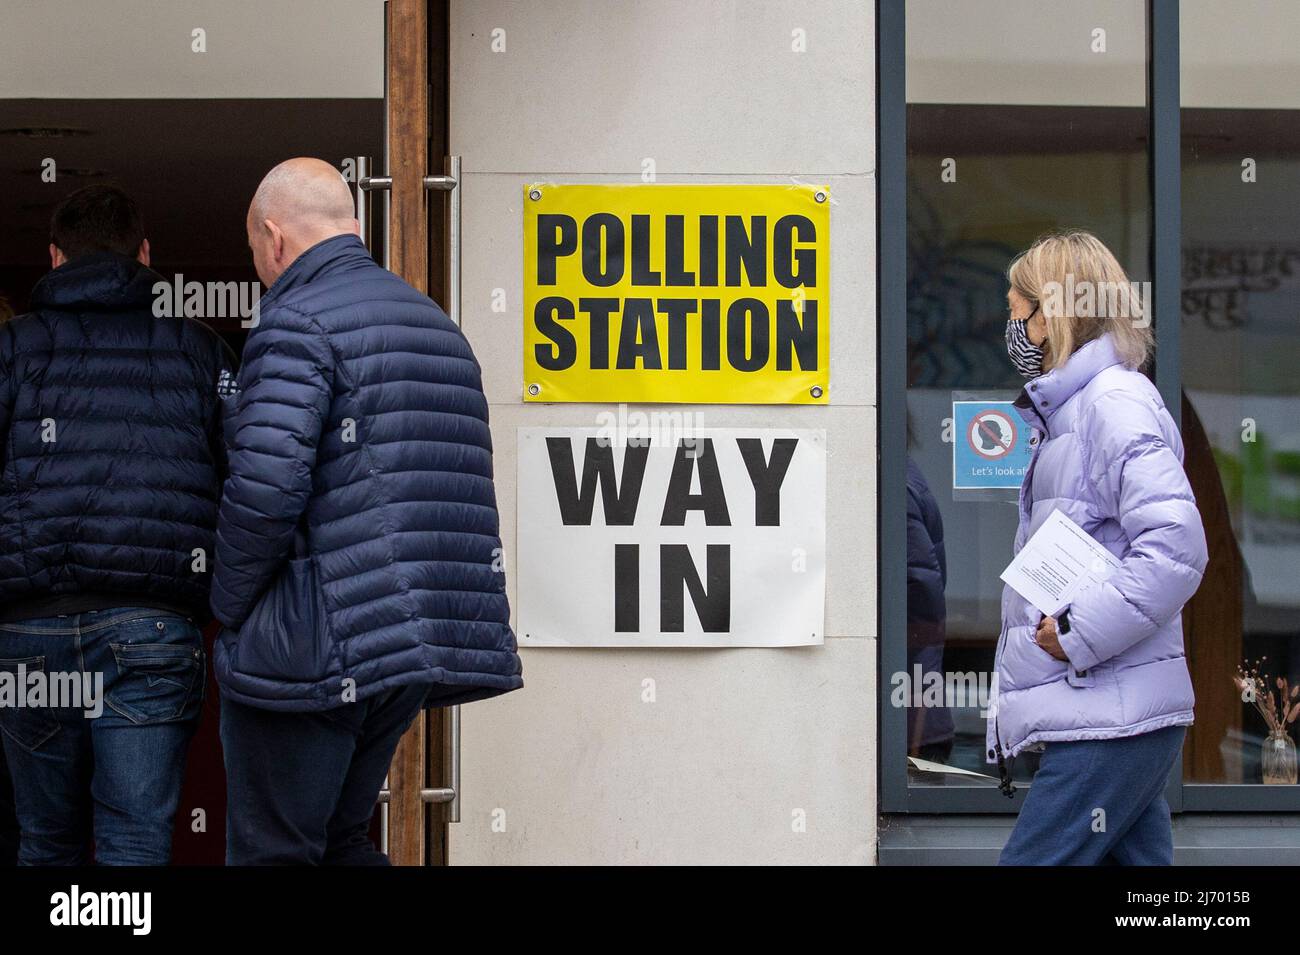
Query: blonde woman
<point x="1104" y="690"/>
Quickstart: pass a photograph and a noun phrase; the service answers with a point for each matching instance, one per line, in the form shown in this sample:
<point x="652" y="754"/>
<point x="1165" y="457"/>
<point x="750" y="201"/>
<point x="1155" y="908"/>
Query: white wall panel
<point x="577" y="765"/>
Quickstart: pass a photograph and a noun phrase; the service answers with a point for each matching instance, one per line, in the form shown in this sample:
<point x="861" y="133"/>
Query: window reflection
<point x="1016" y="125"/>
<point x="1240" y="348"/>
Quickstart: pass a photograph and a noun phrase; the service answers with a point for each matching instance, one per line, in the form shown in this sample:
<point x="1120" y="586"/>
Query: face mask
<point x="1025" y="355"/>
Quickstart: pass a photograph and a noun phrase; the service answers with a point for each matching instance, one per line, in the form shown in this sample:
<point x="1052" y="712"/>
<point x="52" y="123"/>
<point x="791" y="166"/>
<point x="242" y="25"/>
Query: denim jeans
<point x="302" y="787"/>
<point x="114" y="779"/>
<point x="1099" y="802"/>
<point x="8" y="820"/>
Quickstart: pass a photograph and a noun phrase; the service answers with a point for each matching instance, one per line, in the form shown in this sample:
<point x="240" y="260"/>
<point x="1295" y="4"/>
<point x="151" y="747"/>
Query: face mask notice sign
<point x="701" y="294"/>
<point x="991" y="445"/>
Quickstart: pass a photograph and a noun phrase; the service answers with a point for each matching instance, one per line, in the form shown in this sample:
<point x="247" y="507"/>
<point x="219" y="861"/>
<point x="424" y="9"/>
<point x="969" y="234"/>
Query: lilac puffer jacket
<point x="1107" y="454"/>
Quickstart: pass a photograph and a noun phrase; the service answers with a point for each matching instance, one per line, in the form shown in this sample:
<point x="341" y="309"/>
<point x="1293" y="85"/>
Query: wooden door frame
<point x="415" y="67"/>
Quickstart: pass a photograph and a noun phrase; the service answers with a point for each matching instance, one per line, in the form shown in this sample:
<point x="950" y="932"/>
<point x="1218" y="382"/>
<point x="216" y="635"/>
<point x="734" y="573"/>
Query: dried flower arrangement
<point x="1279" y="706"/>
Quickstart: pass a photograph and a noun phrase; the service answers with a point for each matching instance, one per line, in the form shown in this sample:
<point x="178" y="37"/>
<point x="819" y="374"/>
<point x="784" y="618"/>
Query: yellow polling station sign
<point x="702" y="294"/>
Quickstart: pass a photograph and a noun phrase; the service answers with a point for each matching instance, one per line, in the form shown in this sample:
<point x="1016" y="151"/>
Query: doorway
<point x="186" y="108"/>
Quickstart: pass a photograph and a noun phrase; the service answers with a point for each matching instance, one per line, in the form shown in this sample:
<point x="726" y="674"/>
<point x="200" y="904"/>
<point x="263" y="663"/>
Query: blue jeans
<point x="8" y="820"/>
<point x="302" y="787"/>
<point x="1099" y="802"/>
<point x="113" y="779"/>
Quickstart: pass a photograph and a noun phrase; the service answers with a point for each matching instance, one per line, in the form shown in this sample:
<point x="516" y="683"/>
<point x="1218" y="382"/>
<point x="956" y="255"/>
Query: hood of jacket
<point x="1044" y="396"/>
<point x="100" y="281"/>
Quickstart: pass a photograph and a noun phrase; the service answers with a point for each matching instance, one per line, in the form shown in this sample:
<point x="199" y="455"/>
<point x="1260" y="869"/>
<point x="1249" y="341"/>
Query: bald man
<point x="358" y="575"/>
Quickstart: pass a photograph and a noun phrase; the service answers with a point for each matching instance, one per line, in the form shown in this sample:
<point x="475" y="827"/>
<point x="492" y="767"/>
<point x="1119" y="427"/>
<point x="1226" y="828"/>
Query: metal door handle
<point x="426" y="795"/>
<point x="448" y="183"/>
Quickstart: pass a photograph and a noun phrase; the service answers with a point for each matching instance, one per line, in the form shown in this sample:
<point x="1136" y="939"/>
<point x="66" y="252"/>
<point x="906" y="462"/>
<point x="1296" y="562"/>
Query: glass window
<point x="1240" y="351"/>
<point x="1022" y="117"/>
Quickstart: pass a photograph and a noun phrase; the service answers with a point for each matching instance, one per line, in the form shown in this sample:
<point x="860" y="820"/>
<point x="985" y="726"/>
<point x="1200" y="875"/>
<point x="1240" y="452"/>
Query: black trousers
<point x="302" y="787"/>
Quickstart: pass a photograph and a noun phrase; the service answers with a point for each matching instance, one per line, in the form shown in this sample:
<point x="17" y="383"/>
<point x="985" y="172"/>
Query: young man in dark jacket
<point x="110" y="461"/>
<point x="358" y="569"/>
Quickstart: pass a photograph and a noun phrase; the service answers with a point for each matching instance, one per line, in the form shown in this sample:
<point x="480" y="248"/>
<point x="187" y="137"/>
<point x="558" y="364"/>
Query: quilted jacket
<point x="359" y="437"/>
<point x="110" y="446"/>
<point x="1109" y="456"/>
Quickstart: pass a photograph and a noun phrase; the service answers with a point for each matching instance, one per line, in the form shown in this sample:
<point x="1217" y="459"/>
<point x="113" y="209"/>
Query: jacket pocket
<point x="1025" y="663"/>
<point x="28" y="726"/>
<point x="160" y="670"/>
<point x="286" y="637"/>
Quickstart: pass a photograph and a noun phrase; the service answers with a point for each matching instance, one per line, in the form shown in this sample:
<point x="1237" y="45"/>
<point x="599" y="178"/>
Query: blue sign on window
<point x="990" y="445"/>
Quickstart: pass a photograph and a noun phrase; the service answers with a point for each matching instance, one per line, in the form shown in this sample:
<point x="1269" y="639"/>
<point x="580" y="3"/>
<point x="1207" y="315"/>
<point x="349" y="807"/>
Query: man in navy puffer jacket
<point x="359" y="445"/>
<point x="110" y="469"/>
